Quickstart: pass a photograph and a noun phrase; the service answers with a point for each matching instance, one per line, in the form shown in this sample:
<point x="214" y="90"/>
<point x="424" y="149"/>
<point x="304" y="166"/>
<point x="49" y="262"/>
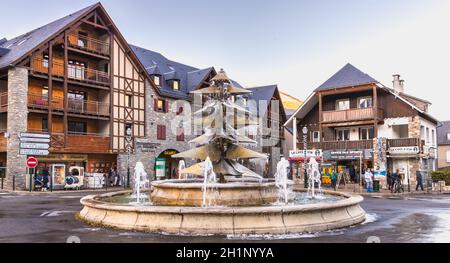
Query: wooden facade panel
<point x="394" y="107"/>
<point x="85" y="144"/>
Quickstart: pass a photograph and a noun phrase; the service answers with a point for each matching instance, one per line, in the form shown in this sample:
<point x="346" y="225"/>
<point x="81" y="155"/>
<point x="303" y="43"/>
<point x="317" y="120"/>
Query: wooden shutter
<point x="155" y="107"/>
<point x="167" y="105"/>
<point x="163" y="132"/>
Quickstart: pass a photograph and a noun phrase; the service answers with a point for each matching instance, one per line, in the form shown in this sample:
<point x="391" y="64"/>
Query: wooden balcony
<point x="339" y="145"/>
<point x="89" y="44"/>
<point x="75" y="73"/>
<point x="80" y="143"/>
<point x="351" y="115"/>
<point x="92" y="108"/>
<point x="405" y="142"/>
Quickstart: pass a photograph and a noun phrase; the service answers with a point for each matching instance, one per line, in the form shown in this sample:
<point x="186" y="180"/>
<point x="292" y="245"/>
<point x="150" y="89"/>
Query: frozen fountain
<point x="227" y="198"/>
<point x="181" y="167"/>
<point x="140" y="183"/>
<point x="282" y="180"/>
<point x="314" y="177"/>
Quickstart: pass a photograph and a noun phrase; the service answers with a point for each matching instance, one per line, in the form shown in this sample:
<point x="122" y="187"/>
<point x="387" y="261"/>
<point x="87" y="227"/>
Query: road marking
<point x="55" y="213"/>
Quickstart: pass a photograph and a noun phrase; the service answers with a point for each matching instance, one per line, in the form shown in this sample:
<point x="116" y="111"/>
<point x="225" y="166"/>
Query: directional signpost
<point x="35" y="144"/>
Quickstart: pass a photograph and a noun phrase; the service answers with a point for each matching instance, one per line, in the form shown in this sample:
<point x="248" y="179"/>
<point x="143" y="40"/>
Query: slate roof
<point x="25" y="43"/>
<point x="157" y="64"/>
<point x="264" y="93"/>
<point x="348" y="76"/>
<point x="442" y="132"/>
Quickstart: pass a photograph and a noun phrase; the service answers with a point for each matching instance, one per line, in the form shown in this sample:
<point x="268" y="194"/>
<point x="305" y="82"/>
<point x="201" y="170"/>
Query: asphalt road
<point x="49" y="218"/>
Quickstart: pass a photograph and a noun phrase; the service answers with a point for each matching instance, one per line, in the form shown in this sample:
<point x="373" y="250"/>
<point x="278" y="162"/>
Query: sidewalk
<point x="383" y="193"/>
<point x="83" y="191"/>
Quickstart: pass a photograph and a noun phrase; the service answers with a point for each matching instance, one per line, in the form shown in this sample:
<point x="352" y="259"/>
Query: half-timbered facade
<point x="78" y="80"/>
<point x="356" y="121"/>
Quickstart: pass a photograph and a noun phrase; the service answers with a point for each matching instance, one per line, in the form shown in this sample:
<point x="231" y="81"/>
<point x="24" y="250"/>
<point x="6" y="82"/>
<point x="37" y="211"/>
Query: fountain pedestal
<point x="234" y="194"/>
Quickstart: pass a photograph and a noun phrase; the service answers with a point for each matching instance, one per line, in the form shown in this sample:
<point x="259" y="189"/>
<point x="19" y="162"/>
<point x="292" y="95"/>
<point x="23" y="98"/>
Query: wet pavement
<point x="50" y="218"/>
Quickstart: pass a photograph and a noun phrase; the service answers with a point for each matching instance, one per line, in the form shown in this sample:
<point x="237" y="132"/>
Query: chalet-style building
<point x="79" y="81"/>
<point x="443" y="141"/>
<point x="353" y="119"/>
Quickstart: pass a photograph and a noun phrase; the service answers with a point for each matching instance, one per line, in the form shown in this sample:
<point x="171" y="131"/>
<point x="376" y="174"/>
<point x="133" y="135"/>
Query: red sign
<point x="32" y="162"/>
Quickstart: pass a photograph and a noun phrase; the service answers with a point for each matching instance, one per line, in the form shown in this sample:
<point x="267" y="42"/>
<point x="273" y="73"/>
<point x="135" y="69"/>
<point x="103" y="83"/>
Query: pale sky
<point x="295" y="44"/>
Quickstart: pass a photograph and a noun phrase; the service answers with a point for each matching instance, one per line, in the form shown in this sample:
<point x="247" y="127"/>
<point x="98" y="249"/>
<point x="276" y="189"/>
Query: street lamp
<point x="128" y="133"/>
<point x="305" y="147"/>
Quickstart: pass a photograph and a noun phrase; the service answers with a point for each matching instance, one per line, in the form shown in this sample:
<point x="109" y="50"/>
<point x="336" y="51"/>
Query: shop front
<point x="407" y="161"/>
<point x="66" y="169"/>
<point x="166" y="167"/>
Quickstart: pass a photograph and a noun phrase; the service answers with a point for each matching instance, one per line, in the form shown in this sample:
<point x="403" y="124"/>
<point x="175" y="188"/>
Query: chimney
<point x="398" y="84"/>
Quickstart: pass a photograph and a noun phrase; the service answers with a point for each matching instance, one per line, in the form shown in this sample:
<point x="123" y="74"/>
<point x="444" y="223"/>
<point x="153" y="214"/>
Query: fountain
<point x="181" y="167"/>
<point x="140" y="181"/>
<point x="230" y="198"/>
<point x="314" y="177"/>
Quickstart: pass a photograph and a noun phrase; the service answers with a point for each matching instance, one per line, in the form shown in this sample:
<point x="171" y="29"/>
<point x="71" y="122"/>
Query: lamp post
<point x="129" y="133"/>
<point x="305" y="147"/>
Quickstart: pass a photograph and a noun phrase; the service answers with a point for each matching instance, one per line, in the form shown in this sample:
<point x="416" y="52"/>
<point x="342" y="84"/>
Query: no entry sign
<point x="32" y="162"/>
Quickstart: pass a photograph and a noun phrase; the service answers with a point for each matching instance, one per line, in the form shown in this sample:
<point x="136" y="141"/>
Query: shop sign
<point x="300" y="154"/>
<point x="34" y="152"/>
<point x="404" y="150"/>
<point x="64" y="157"/>
<point x="160" y="168"/>
<point x="169" y="152"/>
<point x="345" y="155"/>
<point x="147" y="147"/>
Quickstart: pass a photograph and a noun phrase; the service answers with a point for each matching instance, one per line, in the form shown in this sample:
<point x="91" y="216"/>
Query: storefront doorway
<point x="166" y="167"/>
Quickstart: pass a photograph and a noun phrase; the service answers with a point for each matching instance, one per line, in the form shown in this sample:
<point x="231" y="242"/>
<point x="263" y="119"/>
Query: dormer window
<point x="176" y="85"/>
<point x="157" y="80"/>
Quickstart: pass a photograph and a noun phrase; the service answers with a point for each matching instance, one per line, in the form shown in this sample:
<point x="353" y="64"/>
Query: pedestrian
<point x="352" y="173"/>
<point x="389" y="179"/>
<point x="334" y="177"/>
<point x="368" y="176"/>
<point x="419" y="179"/>
<point x="112" y="177"/>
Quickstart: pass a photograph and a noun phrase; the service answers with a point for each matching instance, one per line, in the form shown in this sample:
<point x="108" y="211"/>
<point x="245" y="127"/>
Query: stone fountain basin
<point x="238" y="192"/>
<point x="275" y="220"/>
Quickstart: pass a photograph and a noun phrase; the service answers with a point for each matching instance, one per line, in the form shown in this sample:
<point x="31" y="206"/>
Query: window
<point x="448" y="136"/>
<point x="128" y="126"/>
<point x="343" y="104"/>
<point x="128" y="101"/>
<point x="433" y="138"/>
<point x="77" y="127"/>
<point x="82" y="39"/>
<point x="161" y="105"/>
<point x="366" y="133"/>
<point x="365" y="102"/>
<point x="176" y="85"/>
<point x="422" y="132"/>
<point x="343" y="135"/>
<point x="180" y="134"/>
<point x="428" y="135"/>
<point x="161" y="132"/>
<point x="44" y="93"/>
<point x="76" y="69"/>
<point x="157" y="80"/>
<point x="45" y="61"/>
<point x="315" y="136"/>
<point x="77" y="100"/>
<point x="45" y="125"/>
<point x="448" y="156"/>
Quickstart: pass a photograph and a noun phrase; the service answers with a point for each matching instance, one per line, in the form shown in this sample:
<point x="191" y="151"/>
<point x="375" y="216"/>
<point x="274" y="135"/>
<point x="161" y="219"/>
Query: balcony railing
<point x="351" y="115"/>
<point x="75" y="72"/>
<point x="405" y="142"/>
<point x="77" y="142"/>
<point x="89" y="44"/>
<point x="339" y="145"/>
<point x="89" y="107"/>
<point x="40" y="101"/>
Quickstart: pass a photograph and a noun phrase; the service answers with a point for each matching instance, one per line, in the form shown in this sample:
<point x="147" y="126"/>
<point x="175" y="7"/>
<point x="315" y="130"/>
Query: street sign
<point x="34" y="135"/>
<point x="39" y="140"/>
<point x="37" y="146"/>
<point x="32" y="162"/>
<point x="34" y="152"/>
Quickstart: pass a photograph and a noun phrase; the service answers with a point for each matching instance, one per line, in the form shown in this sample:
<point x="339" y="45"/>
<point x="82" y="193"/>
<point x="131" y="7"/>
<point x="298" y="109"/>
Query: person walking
<point x="419" y="179"/>
<point x="368" y="176"/>
<point x="334" y="177"/>
<point x="352" y="173"/>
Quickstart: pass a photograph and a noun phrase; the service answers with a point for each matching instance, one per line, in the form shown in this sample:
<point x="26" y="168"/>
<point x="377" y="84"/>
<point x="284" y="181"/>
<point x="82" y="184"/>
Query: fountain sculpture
<point x="230" y="199"/>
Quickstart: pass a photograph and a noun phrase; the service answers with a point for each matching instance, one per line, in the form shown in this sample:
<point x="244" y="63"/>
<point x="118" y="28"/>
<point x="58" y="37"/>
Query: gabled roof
<point x="264" y="93"/>
<point x="442" y="132"/>
<point x="21" y="45"/>
<point x="290" y="103"/>
<point x="348" y="76"/>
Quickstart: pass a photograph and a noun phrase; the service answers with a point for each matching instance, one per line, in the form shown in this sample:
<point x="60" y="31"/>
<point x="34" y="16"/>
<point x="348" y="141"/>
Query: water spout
<point x="281" y="179"/>
<point x="209" y="179"/>
<point x="140" y="182"/>
<point x="314" y="177"/>
<point x="181" y="167"/>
